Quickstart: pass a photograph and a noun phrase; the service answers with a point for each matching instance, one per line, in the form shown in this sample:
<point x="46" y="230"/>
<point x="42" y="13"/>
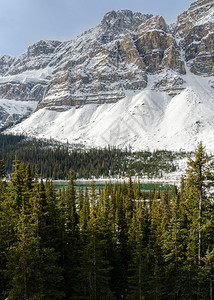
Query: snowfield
<point x="143" y="120"/>
<point x="13" y="110"/>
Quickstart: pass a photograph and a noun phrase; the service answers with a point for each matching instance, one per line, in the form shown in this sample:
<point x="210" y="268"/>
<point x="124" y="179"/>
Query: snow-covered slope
<point x="99" y="125"/>
<point x="146" y="119"/>
<point x="131" y="80"/>
<point x="12" y="111"/>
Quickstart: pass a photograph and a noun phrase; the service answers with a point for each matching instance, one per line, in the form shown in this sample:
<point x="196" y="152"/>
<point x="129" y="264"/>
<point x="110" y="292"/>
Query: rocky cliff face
<point x="195" y="28"/>
<point x="5" y="62"/>
<point x="99" y="65"/>
<point x="126" y="51"/>
<point x="157" y="47"/>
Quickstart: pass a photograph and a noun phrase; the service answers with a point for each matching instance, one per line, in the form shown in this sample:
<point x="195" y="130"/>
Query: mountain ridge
<point x="126" y="54"/>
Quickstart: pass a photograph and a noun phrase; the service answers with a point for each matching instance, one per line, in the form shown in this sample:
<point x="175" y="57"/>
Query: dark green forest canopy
<point x="112" y="243"/>
<point x="54" y="160"/>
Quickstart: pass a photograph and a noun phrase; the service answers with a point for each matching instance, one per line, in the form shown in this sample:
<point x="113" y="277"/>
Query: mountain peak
<point x="43" y="47"/>
<point x="154" y="23"/>
<point x="123" y="21"/>
<point x="111" y="15"/>
<point x="132" y="62"/>
<point x="125" y="14"/>
<point x="199" y="13"/>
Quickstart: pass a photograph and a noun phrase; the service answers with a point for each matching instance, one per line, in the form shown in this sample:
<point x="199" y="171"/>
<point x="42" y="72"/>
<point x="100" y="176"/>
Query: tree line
<point x="54" y="160"/>
<point x="109" y="243"/>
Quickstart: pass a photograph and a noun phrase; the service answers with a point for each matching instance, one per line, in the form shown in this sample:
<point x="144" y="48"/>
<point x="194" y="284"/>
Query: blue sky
<point x="23" y="22"/>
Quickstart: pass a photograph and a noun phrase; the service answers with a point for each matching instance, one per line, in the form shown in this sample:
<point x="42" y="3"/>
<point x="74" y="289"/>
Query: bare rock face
<point x="199" y="49"/>
<point x="24" y="78"/>
<point x="195" y="27"/>
<point x="200" y="12"/>
<point x="99" y="65"/>
<point x="171" y="84"/>
<point x="5" y="62"/>
<point x="57" y="95"/>
<point x="22" y="91"/>
<point x="157" y="47"/>
<point x="110" y="71"/>
<point x="38" y="56"/>
<point x="115" y="56"/>
<point x="117" y="23"/>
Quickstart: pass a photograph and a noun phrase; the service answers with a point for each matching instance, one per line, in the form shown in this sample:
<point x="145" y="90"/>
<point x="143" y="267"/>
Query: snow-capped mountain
<point x="131" y="80"/>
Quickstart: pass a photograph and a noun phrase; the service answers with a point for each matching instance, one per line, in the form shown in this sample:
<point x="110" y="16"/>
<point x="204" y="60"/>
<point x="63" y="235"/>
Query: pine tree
<point x="138" y="269"/>
<point x="71" y="239"/>
<point x="174" y="250"/>
<point x="2" y="168"/>
<point x="196" y="193"/>
<point x="155" y="255"/>
<point x="4" y="230"/>
<point x="97" y="245"/>
<point x="84" y="211"/>
<point x="32" y="263"/>
<point x="129" y="203"/>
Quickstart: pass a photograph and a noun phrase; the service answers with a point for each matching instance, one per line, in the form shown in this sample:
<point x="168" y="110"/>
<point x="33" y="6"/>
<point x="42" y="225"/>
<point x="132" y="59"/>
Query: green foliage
<point x="31" y="262"/>
<point x="112" y="243"/>
<point x="55" y="161"/>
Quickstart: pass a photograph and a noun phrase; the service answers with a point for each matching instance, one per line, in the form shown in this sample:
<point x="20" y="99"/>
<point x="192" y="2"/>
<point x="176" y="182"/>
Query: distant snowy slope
<point x="12" y="111"/>
<point x="122" y="123"/>
<point x="146" y="119"/>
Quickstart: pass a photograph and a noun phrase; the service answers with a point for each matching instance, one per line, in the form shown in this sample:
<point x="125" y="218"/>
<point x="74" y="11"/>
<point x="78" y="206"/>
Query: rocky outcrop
<point x="157" y="47"/>
<point x="37" y="57"/>
<point x="117" y="23"/>
<point x="57" y="96"/>
<point x="195" y="28"/>
<point x="99" y="65"/>
<point x="170" y="83"/>
<point x="200" y="12"/>
<point x="29" y="91"/>
<point x="26" y="78"/>
<point x="115" y="56"/>
<point x="5" y="62"/>
<point x="198" y="45"/>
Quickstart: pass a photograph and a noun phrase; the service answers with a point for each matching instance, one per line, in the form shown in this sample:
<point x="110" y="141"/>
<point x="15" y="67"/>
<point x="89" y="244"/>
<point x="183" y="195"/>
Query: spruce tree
<point x="71" y="239"/>
<point x="138" y="269"/>
<point x="4" y="230"/>
<point x="196" y="186"/>
<point x="32" y="266"/>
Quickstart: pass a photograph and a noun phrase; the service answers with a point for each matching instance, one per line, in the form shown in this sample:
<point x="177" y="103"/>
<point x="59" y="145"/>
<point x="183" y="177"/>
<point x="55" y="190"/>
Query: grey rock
<point x="195" y="28"/>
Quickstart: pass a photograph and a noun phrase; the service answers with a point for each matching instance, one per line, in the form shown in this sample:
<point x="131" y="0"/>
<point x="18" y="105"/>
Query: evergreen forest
<point x="110" y="243"/>
<point x="54" y="160"/>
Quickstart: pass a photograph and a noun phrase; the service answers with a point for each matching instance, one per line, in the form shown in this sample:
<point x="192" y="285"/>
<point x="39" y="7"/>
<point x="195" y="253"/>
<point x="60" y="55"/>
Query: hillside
<point x="131" y="80"/>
